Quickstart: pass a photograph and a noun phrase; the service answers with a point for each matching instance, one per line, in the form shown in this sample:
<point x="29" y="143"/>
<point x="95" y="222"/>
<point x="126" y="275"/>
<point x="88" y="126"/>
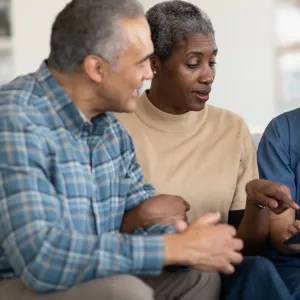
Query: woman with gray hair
<point x="203" y="153"/>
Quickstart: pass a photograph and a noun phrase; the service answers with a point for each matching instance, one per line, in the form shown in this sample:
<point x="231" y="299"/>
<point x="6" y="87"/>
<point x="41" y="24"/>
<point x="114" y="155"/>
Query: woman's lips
<point x="201" y="96"/>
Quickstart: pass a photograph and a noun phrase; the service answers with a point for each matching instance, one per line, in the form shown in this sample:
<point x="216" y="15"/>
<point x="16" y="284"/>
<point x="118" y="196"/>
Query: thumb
<point x="181" y="226"/>
<point x="209" y="219"/>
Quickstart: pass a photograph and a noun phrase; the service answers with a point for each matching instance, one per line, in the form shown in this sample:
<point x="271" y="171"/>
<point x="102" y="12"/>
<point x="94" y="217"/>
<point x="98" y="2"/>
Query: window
<point x="287" y="20"/>
<point x="6" y="65"/>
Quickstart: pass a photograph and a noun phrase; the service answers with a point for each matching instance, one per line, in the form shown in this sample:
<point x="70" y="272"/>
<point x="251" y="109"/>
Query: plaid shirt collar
<point x="72" y="117"/>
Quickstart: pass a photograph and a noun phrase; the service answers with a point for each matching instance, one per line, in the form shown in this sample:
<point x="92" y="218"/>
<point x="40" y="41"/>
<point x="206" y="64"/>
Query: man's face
<point x="120" y="85"/>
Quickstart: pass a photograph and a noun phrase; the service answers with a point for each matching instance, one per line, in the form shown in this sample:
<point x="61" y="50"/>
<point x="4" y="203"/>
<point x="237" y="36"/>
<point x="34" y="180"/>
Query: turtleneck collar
<point x="165" y="122"/>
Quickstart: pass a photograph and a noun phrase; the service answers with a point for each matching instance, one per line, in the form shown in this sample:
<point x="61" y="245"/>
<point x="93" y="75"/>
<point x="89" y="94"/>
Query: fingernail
<point x="295" y="205"/>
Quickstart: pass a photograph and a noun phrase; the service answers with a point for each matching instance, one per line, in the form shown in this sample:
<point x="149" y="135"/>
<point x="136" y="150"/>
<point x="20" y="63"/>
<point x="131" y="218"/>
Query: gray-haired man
<point x="76" y="219"/>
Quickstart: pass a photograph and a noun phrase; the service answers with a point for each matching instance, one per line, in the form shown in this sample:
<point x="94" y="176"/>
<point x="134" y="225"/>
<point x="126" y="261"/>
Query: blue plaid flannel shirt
<point x="65" y="185"/>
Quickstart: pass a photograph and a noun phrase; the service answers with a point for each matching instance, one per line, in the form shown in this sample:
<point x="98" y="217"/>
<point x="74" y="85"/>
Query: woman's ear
<point x="155" y="64"/>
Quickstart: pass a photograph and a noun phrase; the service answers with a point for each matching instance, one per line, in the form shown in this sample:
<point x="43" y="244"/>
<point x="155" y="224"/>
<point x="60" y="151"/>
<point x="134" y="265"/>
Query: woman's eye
<point x="196" y="65"/>
<point x="192" y="66"/>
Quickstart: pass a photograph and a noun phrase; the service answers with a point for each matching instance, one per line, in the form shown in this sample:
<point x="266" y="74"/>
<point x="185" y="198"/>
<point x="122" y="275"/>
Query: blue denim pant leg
<point x="256" y="278"/>
<point x="289" y="270"/>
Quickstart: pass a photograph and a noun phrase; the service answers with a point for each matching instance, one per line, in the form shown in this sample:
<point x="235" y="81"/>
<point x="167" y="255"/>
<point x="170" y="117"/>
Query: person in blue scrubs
<point x="278" y="275"/>
<point x="279" y="161"/>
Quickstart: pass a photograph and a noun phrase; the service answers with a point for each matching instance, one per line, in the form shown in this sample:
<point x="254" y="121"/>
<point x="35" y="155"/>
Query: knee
<point x="128" y="287"/>
<point x="213" y="284"/>
<point x="214" y="280"/>
<point x="207" y="284"/>
<point x="208" y="279"/>
<point x="259" y="262"/>
<point x="259" y="265"/>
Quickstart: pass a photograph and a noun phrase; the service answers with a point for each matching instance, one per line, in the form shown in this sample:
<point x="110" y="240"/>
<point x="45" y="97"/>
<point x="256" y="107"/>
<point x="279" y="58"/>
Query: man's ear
<point x="95" y="68"/>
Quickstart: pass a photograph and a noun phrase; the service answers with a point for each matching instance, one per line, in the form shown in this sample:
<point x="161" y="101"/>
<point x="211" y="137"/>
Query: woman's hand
<point x="162" y="209"/>
<point x="291" y="230"/>
<point x="275" y="196"/>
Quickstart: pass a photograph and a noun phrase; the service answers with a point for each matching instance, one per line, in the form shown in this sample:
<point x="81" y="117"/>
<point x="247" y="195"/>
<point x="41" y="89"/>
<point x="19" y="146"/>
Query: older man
<point x="69" y="174"/>
<point x="76" y="219"/>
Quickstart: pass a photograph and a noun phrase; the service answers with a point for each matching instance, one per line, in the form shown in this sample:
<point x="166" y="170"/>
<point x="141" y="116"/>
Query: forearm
<point x="162" y="209"/>
<point x="254" y="229"/>
<point x="134" y="215"/>
<point x="132" y="221"/>
<point x="56" y="253"/>
<point x="133" y="224"/>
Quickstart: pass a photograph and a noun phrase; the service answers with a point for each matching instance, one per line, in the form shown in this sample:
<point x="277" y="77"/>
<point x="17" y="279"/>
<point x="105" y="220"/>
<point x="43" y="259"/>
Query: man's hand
<point x="204" y="245"/>
<point x="162" y="209"/>
<point x="274" y="195"/>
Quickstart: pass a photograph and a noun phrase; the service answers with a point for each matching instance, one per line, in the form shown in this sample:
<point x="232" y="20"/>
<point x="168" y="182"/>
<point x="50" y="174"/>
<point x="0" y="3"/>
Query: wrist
<point x="253" y="206"/>
<point x="250" y="199"/>
<point x="174" y="252"/>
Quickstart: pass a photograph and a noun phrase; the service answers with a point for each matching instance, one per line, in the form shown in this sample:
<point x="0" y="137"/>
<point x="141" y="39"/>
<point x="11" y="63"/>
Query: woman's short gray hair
<point x="171" y="21"/>
<point x="86" y="27"/>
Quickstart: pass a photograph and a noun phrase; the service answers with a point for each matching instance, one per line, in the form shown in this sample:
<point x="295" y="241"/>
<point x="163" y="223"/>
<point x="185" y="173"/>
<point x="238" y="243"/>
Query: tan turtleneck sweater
<point x="206" y="157"/>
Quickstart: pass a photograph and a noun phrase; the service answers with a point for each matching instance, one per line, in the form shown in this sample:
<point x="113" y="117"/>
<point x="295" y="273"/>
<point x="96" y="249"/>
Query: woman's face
<point x="186" y="78"/>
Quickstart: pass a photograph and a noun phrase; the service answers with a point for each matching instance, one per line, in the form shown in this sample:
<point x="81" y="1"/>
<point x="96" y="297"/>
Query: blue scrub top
<point x="279" y="155"/>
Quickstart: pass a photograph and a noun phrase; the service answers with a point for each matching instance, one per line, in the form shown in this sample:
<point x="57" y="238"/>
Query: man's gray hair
<point x="171" y="21"/>
<point x="90" y="27"/>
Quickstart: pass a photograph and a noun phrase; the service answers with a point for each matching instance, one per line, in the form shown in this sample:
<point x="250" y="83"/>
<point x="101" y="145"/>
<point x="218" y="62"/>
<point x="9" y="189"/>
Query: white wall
<point x="244" y="32"/>
<point x="245" y="64"/>
<point x="32" y="20"/>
